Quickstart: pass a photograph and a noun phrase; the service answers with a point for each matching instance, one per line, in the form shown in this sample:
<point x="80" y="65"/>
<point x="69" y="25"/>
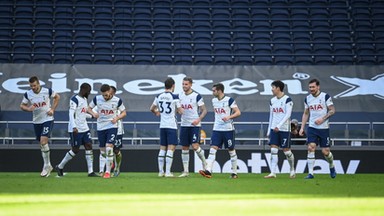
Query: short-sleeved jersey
<point x="78" y="114"/>
<point x="167" y="104"/>
<point x="280" y="113"/>
<point x="107" y="110"/>
<point x="42" y="103"/>
<point x="223" y="108"/>
<point x="318" y="107"/>
<point x="190" y="103"/>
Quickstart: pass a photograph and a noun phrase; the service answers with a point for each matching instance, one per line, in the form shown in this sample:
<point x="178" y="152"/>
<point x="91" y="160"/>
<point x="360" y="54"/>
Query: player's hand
<point x="31" y="108"/>
<point x="95" y="115"/>
<point x="196" y="122"/>
<point x="75" y="131"/>
<point x="226" y="118"/>
<point x="50" y="112"/>
<point x="301" y="132"/>
<point x="114" y="120"/>
<point x="319" y="121"/>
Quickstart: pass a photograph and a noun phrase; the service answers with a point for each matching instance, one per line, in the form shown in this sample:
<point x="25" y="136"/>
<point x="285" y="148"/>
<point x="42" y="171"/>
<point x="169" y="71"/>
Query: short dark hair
<point x="279" y="84"/>
<point x="85" y="87"/>
<point x="113" y="89"/>
<point x="169" y="82"/>
<point x="219" y="86"/>
<point x="105" y="87"/>
<point x="189" y="79"/>
<point x="314" y="81"/>
<point x="33" y="79"/>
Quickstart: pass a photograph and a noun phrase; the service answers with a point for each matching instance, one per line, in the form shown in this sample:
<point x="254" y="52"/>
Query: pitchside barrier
<point x="357" y="147"/>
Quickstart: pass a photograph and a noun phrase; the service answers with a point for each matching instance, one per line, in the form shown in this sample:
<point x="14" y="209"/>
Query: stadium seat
<point x="182" y="48"/>
<point x="243" y="60"/>
<point x="283" y="60"/>
<point x="324" y="60"/>
<point x="163" y="60"/>
<point x="42" y="58"/>
<point x="183" y="60"/>
<point x="82" y="59"/>
<point x="304" y="60"/>
<point x="142" y="60"/>
<point x="263" y="60"/>
<point x="162" y="13"/>
<point x="322" y="48"/>
<point x="103" y="59"/>
<point x="203" y="60"/>
<point x="42" y="47"/>
<point x="21" y="58"/>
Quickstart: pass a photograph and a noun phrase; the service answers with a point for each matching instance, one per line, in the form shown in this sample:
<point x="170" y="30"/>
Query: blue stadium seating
<point x="193" y="32"/>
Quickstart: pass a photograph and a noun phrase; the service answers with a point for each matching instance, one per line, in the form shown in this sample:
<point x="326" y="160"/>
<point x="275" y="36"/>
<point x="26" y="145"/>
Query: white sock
<point x="200" y="153"/>
<point x="329" y="158"/>
<point x="168" y="161"/>
<point x="89" y="159"/>
<point x="311" y="162"/>
<point x="161" y="160"/>
<point x="274" y="159"/>
<point x="185" y="159"/>
<point x="109" y="152"/>
<point x="68" y="156"/>
<point x="45" y="154"/>
<point x="211" y="159"/>
<point x="233" y="157"/>
<point x="102" y="161"/>
<point x="291" y="159"/>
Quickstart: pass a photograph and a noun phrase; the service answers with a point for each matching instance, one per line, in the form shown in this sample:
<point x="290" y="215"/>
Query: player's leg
<point x="216" y="143"/>
<point x="325" y="149"/>
<point x="101" y="136"/>
<point x="229" y="143"/>
<point x="274" y="148"/>
<point x="196" y="146"/>
<point x="75" y="142"/>
<point x="285" y="144"/>
<point x="312" y="140"/>
<point x="89" y="154"/>
<point x="43" y="132"/>
<point x="111" y="136"/>
<point x="162" y="151"/>
<point x="172" y="142"/>
<point x="118" y="155"/>
<point x="185" y="140"/>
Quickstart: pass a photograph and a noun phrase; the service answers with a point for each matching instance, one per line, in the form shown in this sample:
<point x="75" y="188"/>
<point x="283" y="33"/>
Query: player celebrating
<point x="119" y="142"/>
<point x="107" y="118"/>
<point x="78" y="130"/>
<point x="39" y="99"/>
<point x="318" y="107"/>
<point x="226" y="110"/>
<point x="279" y="127"/>
<point x="193" y="104"/>
<point x="165" y="105"/>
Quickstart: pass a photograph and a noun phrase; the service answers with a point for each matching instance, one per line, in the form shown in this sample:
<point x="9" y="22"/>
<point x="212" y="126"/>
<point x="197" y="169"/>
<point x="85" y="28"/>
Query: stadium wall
<point x="249" y="161"/>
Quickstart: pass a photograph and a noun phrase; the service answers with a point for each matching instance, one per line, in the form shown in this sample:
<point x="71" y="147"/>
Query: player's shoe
<point x="161" y="174"/>
<point x="93" y="174"/>
<point x="234" y="176"/>
<point x="116" y="173"/>
<point x="271" y="175"/>
<point x="107" y="175"/>
<point x="46" y="171"/>
<point x="292" y="175"/>
<point x="184" y="174"/>
<point x="332" y="172"/>
<point x="205" y="166"/>
<point x="169" y="175"/>
<point x="59" y="171"/>
<point x="205" y="173"/>
<point x="309" y="176"/>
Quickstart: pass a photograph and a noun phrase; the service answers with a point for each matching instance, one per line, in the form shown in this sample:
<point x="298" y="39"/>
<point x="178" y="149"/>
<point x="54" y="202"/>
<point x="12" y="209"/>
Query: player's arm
<point x="235" y="113"/>
<point x="331" y="112"/>
<point x="25" y="107"/>
<point x="203" y="113"/>
<point x="56" y="99"/>
<point x="122" y="115"/>
<point x="93" y="114"/>
<point x="270" y="120"/>
<point x="304" y="120"/>
<point x="288" y="113"/>
<point x="154" y="109"/>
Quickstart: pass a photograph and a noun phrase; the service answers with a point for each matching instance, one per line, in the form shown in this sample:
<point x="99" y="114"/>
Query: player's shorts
<point x="107" y="136"/>
<point x="281" y="139"/>
<point x="80" y="138"/>
<point x="227" y="138"/>
<point x="189" y="135"/>
<point x="44" y="129"/>
<point x="118" y="142"/>
<point x="318" y="136"/>
<point x="168" y="136"/>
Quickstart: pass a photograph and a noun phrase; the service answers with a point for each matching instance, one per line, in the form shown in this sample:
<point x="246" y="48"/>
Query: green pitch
<point x="147" y="194"/>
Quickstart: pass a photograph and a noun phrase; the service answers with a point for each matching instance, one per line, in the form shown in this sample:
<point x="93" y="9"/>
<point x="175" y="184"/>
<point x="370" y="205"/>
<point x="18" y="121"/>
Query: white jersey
<point x="190" y="103"/>
<point x="78" y="114"/>
<point x="223" y="108"/>
<point x="167" y="103"/>
<point x="42" y="103"/>
<point x="120" y="126"/>
<point x="107" y="110"/>
<point x="280" y="113"/>
<point x="318" y="108"/>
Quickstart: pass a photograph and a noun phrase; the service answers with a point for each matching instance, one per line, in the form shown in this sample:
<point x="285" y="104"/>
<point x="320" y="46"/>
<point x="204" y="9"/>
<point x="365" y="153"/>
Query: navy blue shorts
<point x="119" y="142"/>
<point x="107" y="136"/>
<point x="189" y="135"/>
<point x="80" y="138"/>
<point x="281" y="139"/>
<point x="168" y="136"/>
<point x="318" y="136"/>
<point x="227" y="138"/>
<point x="44" y="129"/>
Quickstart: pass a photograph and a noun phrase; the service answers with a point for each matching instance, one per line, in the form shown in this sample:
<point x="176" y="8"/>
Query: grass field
<point x="147" y="194"/>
